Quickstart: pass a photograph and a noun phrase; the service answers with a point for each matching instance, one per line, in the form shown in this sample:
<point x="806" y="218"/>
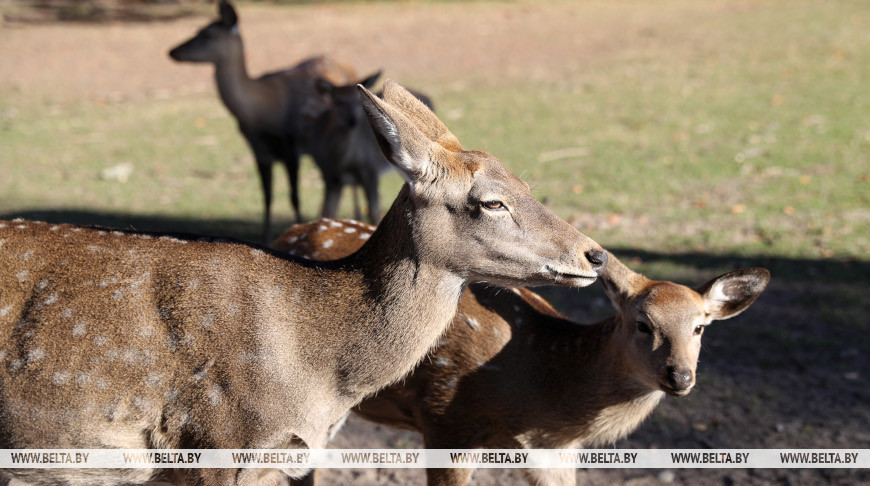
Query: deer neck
<point x="406" y="302"/>
<point x="233" y="82"/>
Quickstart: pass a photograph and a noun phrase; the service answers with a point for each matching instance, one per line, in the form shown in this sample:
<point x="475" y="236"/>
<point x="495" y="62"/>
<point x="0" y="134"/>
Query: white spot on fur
<point x="117" y="233"/>
<point x="207" y="320"/>
<point x="328" y="243"/>
<point x="147" y="331"/>
<point x="442" y="361"/>
<point x="153" y="380"/>
<point x="292" y="239"/>
<point x="42" y="285"/>
<point x="117" y="294"/>
<point x="335" y="224"/>
<point x="256" y="253"/>
<point x="52" y="298"/>
<point x="26" y="255"/>
<point x="66" y="313"/>
<point x="100" y="340"/>
<point x="54" y="228"/>
<point x="101" y="383"/>
<point x="60" y="377"/>
<point x="472" y="323"/>
<point x="101" y="233"/>
<point x="2" y="355"/>
<point x="82" y="378"/>
<point x="292" y="252"/>
<point x="15" y="365"/>
<point x="215" y="395"/>
<point x="138" y="402"/>
<point x="172" y="239"/>
<point x="80" y="329"/>
<point x="518" y="321"/>
<point x="517" y="308"/>
<point x="350" y="229"/>
<point x="364" y="236"/>
<point x="35" y="355"/>
<point x="321" y="228"/>
<point x="22" y="276"/>
<point x="5" y="310"/>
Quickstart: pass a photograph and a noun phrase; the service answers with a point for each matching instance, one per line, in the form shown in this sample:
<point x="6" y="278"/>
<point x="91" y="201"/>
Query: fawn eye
<point x="642" y="327"/>
<point x="493" y="205"/>
<point x="698" y="330"/>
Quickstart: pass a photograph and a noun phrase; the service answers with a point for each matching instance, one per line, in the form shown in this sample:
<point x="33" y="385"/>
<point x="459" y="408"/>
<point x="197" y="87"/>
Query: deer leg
<point x="369" y="181"/>
<point x="331" y="196"/>
<point x="357" y="213"/>
<point x="265" y="170"/>
<point x="291" y="163"/>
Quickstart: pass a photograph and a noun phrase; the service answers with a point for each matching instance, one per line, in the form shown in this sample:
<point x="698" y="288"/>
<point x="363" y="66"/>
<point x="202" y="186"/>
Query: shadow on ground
<point x="790" y="372"/>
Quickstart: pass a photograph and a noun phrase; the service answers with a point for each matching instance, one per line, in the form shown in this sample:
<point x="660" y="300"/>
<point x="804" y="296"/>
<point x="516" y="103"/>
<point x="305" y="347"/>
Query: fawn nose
<point x="598" y="259"/>
<point x="678" y="379"/>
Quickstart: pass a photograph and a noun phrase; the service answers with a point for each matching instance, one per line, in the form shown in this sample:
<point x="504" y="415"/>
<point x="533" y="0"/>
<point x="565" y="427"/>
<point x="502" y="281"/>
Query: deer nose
<point x="598" y="259"/>
<point x="679" y="379"/>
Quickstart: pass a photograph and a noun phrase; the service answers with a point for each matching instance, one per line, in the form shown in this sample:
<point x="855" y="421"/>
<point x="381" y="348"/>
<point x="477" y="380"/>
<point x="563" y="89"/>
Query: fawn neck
<point x="587" y="372"/>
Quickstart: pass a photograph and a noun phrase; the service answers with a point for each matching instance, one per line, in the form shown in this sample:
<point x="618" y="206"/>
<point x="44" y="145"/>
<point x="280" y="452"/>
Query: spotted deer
<point x="345" y="150"/>
<point x="275" y="111"/>
<point x="116" y="339"/>
<point x="511" y="372"/>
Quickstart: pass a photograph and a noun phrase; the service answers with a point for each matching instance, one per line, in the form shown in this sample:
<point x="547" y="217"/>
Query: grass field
<point x="690" y="137"/>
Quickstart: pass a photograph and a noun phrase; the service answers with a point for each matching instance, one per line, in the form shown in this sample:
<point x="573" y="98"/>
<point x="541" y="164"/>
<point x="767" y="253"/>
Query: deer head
<point x="489" y="226"/>
<point x="662" y="322"/>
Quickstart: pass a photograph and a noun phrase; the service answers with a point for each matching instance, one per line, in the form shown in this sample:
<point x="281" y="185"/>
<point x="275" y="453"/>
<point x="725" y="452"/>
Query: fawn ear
<point x="370" y="80"/>
<point x="228" y="14"/>
<point x="730" y="294"/>
<point x="402" y="143"/>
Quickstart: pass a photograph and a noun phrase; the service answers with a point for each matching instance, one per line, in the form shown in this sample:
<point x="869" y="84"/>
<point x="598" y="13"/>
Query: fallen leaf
<point x="738" y="208"/>
<point x="788" y="210"/>
<point x="577" y="188"/>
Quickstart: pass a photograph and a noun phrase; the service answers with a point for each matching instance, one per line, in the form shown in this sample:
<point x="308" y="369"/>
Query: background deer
<point x="275" y="111"/>
<point x="344" y="148"/>
<point x="113" y="339"/>
<point x="511" y="372"/>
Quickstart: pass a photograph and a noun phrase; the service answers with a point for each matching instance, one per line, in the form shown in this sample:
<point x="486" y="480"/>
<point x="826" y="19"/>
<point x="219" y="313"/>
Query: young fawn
<point x="112" y="339"/>
<point x="275" y="111"/>
<point x="345" y="150"/>
<point x="511" y="372"/>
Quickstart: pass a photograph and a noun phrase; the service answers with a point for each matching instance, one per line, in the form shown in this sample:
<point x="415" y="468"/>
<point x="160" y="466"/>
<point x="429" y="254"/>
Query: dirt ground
<point x="778" y="377"/>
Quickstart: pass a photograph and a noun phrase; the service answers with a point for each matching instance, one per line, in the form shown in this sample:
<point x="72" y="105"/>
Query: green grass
<point x="746" y="133"/>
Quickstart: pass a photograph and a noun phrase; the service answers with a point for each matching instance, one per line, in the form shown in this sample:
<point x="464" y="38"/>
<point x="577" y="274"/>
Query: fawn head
<point x="480" y="221"/>
<point x="661" y="323"/>
<point x="215" y="42"/>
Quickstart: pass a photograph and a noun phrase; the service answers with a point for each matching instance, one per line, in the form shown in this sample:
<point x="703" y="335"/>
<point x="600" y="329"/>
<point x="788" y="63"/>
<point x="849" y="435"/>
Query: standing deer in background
<point x="112" y="339"/>
<point x="512" y="373"/>
<point x="274" y="111"/>
<point x="344" y="148"/>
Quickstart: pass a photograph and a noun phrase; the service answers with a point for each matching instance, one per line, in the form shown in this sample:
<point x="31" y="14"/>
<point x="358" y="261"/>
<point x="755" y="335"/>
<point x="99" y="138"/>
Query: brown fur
<point x="276" y="111"/>
<point x="511" y="372"/>
<point x="113" y="339"/>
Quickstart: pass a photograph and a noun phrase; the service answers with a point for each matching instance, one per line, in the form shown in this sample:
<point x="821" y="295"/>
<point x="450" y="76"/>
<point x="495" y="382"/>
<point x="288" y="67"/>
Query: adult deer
<point x="511" y="372"/>
<point x="275" y="111"/>
<point x="149" y="341"/>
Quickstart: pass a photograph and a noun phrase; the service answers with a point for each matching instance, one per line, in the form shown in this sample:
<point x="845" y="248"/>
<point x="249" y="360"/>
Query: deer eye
<point x="493" y="205"/>
<point x="643" y="327"/>
<point x="698" y="330"/>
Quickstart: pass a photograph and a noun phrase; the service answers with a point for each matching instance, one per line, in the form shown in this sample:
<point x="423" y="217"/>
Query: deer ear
<point x="371" y="80"/>
<point x="730" y="294"/>
<point x="402" y="143"/>
<point x="228" y="14"/>
<point x="324" y="87"/>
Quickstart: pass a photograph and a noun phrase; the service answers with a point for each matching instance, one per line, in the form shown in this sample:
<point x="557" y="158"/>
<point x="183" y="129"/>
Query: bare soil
<point x="781" y="376"/>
